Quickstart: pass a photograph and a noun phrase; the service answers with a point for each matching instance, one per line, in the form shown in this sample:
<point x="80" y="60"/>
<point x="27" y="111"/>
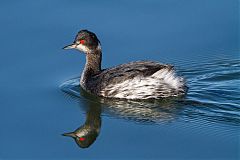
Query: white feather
<point x="85" y="49"/>
<point x="146" y="87"/>
<point x="82" y="48"/>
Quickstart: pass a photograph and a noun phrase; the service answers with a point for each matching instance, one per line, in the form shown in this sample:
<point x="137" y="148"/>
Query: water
<point x="40" y="98"/>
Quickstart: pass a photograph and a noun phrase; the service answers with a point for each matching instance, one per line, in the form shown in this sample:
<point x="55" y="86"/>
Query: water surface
<point x="201" y="38"/>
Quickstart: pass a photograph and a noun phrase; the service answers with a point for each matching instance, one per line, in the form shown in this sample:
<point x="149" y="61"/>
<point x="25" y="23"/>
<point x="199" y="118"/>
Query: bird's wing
<point x="128" y="71"/>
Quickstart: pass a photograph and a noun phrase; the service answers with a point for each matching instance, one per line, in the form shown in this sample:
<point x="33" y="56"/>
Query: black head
<point x="85" y="41"/>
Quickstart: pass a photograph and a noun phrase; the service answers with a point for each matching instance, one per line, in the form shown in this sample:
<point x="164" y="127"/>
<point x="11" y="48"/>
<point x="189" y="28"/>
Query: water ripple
<point x="216" y="85"/>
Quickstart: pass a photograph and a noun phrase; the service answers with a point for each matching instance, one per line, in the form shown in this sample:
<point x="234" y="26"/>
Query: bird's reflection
<point x="86" y="134"/>
<point x="136" y="111"/>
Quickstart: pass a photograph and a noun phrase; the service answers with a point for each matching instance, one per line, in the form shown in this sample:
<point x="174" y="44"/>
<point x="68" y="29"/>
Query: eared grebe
<point x="134" y="80"/>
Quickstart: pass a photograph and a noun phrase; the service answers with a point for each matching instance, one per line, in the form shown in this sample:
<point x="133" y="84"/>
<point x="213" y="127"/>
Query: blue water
<point x="40" y="98"/>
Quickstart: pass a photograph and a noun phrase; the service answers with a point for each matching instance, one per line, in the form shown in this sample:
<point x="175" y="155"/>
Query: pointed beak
<point x="70" y="134"/>
<point x="71" y="46"/>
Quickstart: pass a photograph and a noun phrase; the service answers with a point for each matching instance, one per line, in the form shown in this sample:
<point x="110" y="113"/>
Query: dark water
<point x="40" y="98"/>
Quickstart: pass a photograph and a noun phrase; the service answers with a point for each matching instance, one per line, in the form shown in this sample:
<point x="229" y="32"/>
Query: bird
<point x="137" y="80"/>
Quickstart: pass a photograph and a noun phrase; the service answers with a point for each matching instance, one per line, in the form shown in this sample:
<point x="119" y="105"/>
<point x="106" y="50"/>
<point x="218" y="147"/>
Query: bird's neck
<point x="93" y="61"/>
<point x="93" y="119"/>
<point x="92" y="66"/>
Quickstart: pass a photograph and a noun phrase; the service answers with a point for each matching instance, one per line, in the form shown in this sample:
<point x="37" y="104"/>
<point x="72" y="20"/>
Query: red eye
<point x="81" y="139"/>
<point x="82" y="41"/>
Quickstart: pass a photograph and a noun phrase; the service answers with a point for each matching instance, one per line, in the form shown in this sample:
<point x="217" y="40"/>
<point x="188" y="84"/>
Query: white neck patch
<point x="99" y="47"/>
<point x="85" y="49"/>
<point x="82" y="48"/>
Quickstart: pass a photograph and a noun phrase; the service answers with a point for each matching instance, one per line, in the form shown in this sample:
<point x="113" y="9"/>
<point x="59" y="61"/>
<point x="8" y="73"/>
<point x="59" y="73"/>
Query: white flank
<point x="170" y="78"/>
<point x="153" y="86"/>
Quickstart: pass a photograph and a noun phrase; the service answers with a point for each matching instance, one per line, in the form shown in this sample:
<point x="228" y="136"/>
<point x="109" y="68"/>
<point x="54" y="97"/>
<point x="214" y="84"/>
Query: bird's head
<point x="85" y="41"/>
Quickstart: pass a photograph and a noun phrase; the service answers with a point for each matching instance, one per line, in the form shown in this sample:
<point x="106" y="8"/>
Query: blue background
<point x="34" y="112"/>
